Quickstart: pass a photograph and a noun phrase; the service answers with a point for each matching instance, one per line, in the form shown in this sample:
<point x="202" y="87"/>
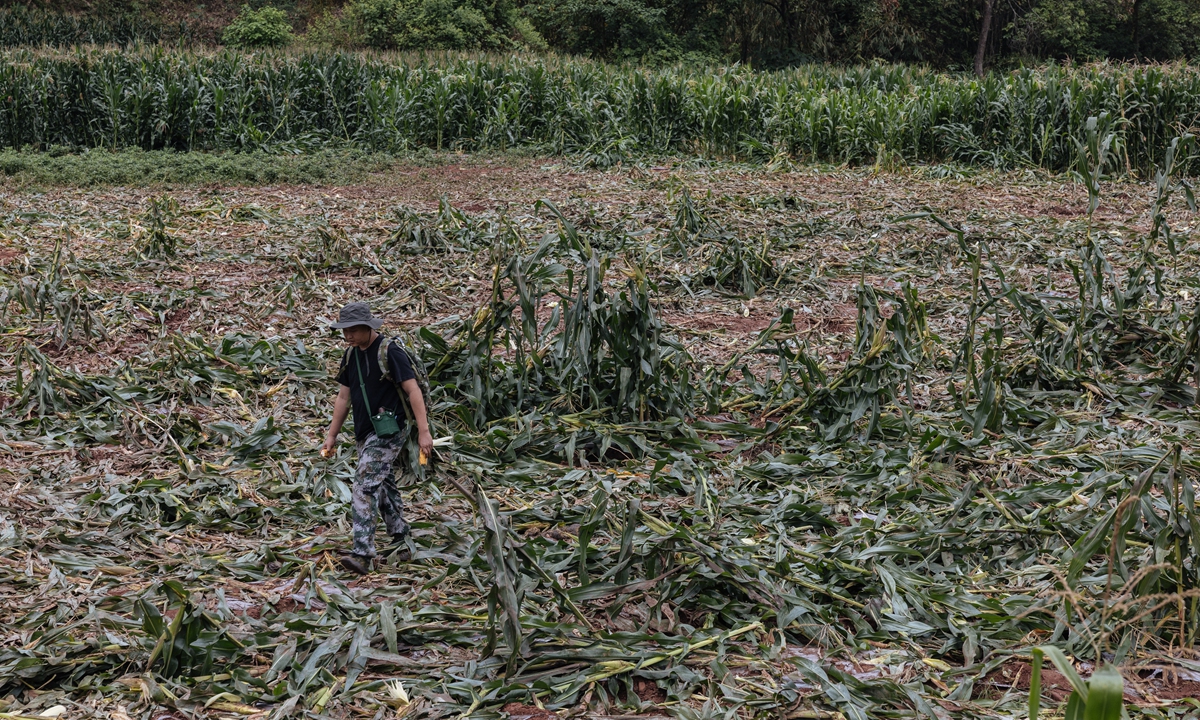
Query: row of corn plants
<point x="159" y="99"/>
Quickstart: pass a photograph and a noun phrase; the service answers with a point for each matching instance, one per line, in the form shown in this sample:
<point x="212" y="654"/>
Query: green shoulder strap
<point x="362" y="386"/>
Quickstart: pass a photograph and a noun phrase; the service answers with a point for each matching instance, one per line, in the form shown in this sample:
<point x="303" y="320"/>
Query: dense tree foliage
<point x="953" y="34"/>
<point x="942" y="32"/>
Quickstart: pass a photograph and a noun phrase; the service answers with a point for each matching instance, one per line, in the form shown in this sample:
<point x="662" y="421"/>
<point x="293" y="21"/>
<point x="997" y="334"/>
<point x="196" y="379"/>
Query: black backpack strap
<point x="385" y="362"/>
<point x="342" y="364"/>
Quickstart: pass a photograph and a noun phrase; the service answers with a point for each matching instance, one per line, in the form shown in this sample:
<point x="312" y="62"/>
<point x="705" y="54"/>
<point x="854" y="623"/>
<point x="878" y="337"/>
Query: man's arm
<point x="341" y="408"/>
<point x="417" y="402"/>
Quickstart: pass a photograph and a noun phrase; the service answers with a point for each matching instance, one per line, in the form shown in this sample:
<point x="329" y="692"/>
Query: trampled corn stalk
<point x="1070" y="338"/>
<point x="189" y="641"/>
<point x="741" y="266"/>
<point x="1085" y="337"/>
<point x="336" y="249"/>
<point x="1147" y="596"/>
<point x="797" y="375"/>
<point x="686" y="552"/>
<point x="731" y="263"/>
<point x="58" y="293"/>
<point x="44" y="388"/>
<point x="449" y="230"/>
<point x="553" y="339"/>
<point x="507" y="590"/>
<point x="878" y="375"/>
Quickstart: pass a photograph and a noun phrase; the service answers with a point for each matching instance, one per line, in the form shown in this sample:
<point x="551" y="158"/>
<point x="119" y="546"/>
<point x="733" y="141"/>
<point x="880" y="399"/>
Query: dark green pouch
<point x="385" y="423"/>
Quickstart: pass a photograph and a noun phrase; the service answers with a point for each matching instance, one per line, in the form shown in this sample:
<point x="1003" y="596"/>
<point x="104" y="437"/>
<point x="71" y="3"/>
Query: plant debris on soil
<point x="718" y="442"/>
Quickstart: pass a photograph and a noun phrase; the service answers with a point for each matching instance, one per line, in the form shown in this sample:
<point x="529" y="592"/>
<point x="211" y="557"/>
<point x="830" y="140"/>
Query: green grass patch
<point x="141" y="168"/>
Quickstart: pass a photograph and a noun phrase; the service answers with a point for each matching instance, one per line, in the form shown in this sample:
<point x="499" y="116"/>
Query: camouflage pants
<point x="375" y="487"/>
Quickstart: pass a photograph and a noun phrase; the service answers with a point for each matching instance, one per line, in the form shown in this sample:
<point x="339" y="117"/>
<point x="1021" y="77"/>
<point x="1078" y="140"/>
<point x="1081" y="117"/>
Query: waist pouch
<point x="384" y="421"/>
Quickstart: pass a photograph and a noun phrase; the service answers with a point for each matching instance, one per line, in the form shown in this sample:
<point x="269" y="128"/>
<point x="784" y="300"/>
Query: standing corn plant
<point x="1102" y="697"/>
<point x="156" y="100"/>
<point x="156" y="241"/>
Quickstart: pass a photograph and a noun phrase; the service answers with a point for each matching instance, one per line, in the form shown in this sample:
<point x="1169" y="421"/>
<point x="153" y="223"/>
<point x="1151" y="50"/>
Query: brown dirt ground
<point x="648" y="691"/>
<point x="1017" y="674"/>
<point x="478" y="187"/>
<point x="1185" y="690"/>
<point x="518" y="711"/>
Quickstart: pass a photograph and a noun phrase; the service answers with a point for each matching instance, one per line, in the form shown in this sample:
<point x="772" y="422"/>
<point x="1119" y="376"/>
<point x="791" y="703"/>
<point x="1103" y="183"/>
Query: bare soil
<point x="518" y="711"/>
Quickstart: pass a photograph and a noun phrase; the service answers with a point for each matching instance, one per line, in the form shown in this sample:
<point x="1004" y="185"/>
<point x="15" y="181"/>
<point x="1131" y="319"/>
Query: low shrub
<point x="265" y="27"/>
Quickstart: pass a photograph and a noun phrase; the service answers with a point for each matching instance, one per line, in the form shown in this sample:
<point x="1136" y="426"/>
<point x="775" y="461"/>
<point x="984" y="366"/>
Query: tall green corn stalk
<point x="23" y="26"/>
<point x="1102" y="697"/>
<point x="1095" y="151"/>
<point x="157" y="99"/>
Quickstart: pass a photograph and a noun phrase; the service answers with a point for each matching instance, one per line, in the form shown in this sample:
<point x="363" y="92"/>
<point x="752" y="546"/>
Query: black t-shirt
<point x="380" y="392"/>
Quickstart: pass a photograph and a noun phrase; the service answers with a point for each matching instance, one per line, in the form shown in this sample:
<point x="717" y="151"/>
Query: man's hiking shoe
<point x="356" y="563"/>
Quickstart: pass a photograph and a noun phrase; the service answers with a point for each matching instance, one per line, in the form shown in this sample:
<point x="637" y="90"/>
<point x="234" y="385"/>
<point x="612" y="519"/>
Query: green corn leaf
<point x="1106" y="694"/>
<point x="1035" y="684"/>
<point x="387" y="624"/>
<point x="1076" y="706"/>
<point x="1063" y="663"/>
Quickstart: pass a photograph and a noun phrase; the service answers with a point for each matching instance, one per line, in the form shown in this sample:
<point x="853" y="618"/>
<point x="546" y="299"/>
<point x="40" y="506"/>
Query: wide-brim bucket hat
<point x="355" y="314"/>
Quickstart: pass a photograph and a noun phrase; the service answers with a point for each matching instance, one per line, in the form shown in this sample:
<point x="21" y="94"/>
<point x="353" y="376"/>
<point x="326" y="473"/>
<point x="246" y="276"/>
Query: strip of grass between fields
<point x="140" y="168"/>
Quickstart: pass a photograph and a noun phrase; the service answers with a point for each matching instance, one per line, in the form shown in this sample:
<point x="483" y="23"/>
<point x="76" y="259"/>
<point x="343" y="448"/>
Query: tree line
<point x="949" y="34"/>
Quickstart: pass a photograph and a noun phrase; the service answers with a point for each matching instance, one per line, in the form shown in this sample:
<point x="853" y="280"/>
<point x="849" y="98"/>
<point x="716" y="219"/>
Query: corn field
<point x="717" y="443"/>
<point x="883" y="115"/>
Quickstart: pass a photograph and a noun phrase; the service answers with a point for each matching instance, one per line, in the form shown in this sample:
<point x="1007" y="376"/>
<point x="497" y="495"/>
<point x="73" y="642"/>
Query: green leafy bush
<point x="331" y="30"/>
<point x="265" y="27"/>
<point x="440" y="25"/>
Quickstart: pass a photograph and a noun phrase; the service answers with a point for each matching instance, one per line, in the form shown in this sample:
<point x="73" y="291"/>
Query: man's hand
<point x="425" y="442"/>
<point x="417" y="402"/>
<point x="341" y="408"/>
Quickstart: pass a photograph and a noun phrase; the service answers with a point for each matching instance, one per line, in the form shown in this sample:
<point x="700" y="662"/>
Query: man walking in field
<point x="374" y="394"/>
